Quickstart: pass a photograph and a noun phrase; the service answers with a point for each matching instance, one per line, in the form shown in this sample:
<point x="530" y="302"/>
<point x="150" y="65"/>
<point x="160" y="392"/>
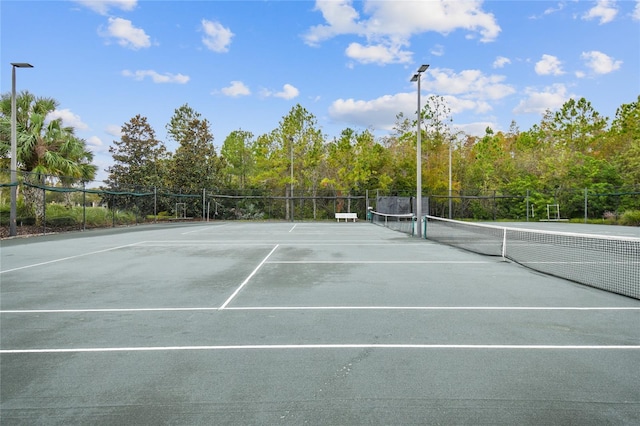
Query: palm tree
<point x="44" y="148"/>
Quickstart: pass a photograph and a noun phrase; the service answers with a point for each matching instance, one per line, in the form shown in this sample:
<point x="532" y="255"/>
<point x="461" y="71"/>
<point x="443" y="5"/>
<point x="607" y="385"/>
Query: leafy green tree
<point x="139" y="162"/>
<point x="295" y="145"/>
<point x="400" y="146"/>
<point x="578" y="127"/>
<point x="45" y="148"/>
<point x="370" y="163"/>
<point x="238" y="156"/>
<point x="436" y="138"/>
<point x="137" y="157"/>
<point x="623" y="146"/>
<point x="195" y="164"/>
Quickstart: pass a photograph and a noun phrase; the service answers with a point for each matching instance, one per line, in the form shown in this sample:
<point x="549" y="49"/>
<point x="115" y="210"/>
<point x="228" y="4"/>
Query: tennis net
<point x="604" y="262"/>
<point x="398" y="222"/>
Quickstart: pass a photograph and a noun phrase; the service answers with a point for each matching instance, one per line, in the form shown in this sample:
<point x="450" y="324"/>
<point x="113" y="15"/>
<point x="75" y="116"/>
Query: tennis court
<point x="302" y="323"/>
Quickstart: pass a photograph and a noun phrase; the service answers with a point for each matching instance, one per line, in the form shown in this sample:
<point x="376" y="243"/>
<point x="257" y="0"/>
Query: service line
<point x="204" y="228"/>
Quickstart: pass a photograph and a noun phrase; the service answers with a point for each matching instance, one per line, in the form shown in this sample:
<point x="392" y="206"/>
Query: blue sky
<point x="245" y="64"/>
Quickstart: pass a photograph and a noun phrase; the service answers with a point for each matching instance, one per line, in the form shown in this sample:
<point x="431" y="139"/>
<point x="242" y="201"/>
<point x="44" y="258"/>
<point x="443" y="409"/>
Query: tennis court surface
<point x="305" y="323"/>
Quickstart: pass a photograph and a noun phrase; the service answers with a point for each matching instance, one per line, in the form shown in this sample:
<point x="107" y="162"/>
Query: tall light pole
<point x="450" y="203"/>
<point x="417" y="77"/>
<point x="291" y="185"/>
<point x="13" y="231"/>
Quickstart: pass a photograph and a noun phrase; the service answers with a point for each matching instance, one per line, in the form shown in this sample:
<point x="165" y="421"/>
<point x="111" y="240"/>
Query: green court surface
<point x="302" y="323"/>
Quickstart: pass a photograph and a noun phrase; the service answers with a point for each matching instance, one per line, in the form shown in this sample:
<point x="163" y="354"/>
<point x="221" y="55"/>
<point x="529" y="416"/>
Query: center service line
<point x="224" y="305"/>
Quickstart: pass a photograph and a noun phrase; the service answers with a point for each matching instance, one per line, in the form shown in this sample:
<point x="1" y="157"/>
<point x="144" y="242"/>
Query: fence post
<point x="44" y="210"/>
<point x="586" y="202"/>
<point x="84" y="207"/>
<point x="527" y="205"/>
<point x="155" y="204"/>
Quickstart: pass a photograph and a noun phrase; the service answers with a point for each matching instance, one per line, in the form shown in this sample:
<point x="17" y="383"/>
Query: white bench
<point x="346" y="216"/>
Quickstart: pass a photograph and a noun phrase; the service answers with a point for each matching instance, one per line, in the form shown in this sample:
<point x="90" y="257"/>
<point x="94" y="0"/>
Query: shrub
<point x="630" y="218"/>
<point x="61" y="221"/>
<point x="610" y="217"/>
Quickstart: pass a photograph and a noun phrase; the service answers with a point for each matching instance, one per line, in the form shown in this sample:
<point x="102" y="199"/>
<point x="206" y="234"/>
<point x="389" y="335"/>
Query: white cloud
<point x="102" y="6"/>
<point x="477" y="128"/>
<point x="379" y="54"/>
<point x="378" y="113"/>
<point x="471" y="84"/>
<point x="550" y="98"/>
<point x="126" y="34"/>
<point x="237" y="88"/>
<point x="437" y="50"/>
<point x="69" y="119"/>
<point x="469" y="90"/>
<point x="636" y="12"/>
<point x="95" y="142"/>
<point x="217" y="38"/>
<point x="341" y="18"/>
<point x="389" y="25"/>
<point x="552" y="10"/>
<point x="604" y="10"/>
<point x="288" y="92"/>
<point x="599" y="62"/>
<point x="549" y="65"/>
<point x="501" y="61"/>
<point x="114" y="130"/>
<point x="156" y="77"/>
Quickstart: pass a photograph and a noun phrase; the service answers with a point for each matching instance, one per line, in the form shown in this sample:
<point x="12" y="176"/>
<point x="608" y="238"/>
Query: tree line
<point x="569" y="151"/>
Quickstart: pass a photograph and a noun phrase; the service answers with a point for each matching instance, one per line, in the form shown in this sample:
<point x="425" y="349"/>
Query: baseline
<point x="324" y="308"/>
<point x="322" y="346"/>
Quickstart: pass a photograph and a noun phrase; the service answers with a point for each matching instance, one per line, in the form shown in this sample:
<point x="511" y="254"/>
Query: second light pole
<point x="13" y="230"/>
<point x="417" y="77"/>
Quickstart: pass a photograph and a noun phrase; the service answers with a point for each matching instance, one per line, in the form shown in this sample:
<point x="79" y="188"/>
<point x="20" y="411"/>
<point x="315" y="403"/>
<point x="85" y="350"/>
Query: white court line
<point x="431" y="308"/>
<point x="106" y="310"/>
<point x="248" y="278"/>
<point x="327" y="308"/>
<point x="70" y="257"/>
<point x="272" y="242"/>
<point x="320" y="346"/>
<point x="294" y="227"/>
<point x="204" y="228"/>
<point x="376" y="262"/>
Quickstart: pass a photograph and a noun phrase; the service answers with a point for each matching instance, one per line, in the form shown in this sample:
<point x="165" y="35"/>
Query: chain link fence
<point x="47" y="204"/>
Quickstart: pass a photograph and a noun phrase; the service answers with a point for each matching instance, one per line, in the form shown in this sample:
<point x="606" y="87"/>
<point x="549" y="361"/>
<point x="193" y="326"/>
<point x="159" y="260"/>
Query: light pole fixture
<point x="417" y="77"/>
<point x="13" y="231"/>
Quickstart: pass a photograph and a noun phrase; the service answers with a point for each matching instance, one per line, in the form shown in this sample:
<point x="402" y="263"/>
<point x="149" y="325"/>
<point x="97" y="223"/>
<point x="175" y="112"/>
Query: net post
<point x="504" y="243"/>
